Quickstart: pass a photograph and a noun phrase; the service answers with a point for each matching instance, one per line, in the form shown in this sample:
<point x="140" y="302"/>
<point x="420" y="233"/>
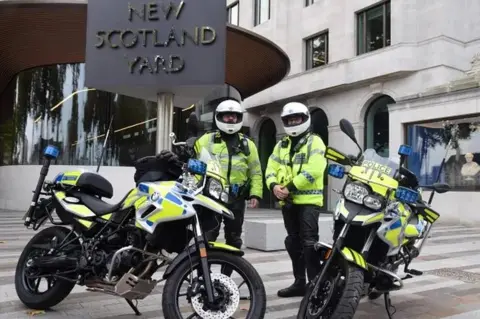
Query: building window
<point x="377" y="125"/>
<point x="42" y="110"/>
<point x="262" y="11"/>
<point x="309" y="2"/>
<point x="317" y="51"/>
<point x="429" y="142"/>
<point x="373" y="28"/>
<point x="233" y="13"/>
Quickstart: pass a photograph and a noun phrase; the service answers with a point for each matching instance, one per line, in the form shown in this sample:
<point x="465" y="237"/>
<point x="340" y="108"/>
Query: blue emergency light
<point x="405" y="150"/>
<point x="335" y="170"/>
<point x="406" y="195"/>
<point x="196" y="167"/>
<point x="51" y="151"/>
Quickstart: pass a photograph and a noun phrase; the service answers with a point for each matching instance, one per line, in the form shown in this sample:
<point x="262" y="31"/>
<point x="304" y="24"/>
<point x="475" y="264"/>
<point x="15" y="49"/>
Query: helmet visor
<point x="294" y="119"/>
<point x="230" y="117"/>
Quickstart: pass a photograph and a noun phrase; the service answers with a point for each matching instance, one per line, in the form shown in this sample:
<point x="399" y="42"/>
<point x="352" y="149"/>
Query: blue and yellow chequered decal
<point x="68" y="178"/>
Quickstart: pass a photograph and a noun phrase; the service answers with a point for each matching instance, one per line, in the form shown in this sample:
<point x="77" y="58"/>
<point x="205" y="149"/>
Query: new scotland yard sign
<point x="143" y="48"/>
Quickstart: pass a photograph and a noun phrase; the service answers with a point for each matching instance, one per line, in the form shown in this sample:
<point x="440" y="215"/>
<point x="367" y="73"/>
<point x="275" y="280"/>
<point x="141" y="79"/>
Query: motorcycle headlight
<point x="356" y="192"/>
<point x="373" y="202"/>
<point x="215" y="188"/>
<point x="224" y="197"/>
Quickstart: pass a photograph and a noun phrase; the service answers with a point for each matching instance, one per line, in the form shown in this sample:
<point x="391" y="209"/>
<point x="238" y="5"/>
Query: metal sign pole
<point x="164" y="121"/>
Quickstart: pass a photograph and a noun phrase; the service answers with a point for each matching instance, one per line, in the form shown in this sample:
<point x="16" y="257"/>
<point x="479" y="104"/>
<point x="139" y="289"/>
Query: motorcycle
<point x="116" y="249"/>
<point x="380" y="223"/>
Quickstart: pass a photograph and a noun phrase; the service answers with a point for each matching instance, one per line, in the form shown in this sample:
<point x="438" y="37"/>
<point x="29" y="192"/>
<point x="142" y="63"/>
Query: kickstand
<point x="389" y="307"/>
<point x="134" y="307"/>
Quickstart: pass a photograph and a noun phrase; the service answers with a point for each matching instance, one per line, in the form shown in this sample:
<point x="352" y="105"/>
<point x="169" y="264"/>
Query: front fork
<point x="201" y="244"/>
<point x="337" y="247"/>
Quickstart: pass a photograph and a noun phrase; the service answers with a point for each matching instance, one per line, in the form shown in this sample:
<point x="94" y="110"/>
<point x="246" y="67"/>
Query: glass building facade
<point x="51" y="105"/>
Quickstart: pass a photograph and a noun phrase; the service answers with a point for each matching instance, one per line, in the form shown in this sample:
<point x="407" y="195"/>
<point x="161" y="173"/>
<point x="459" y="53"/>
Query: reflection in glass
<point x="51" y="105"/>
<point x="262" y="11"/>
<point x="374" y="28"/>
<point x="317" y="51"/>
<point x="429" y="141"/>
<point x="233" y="14"/>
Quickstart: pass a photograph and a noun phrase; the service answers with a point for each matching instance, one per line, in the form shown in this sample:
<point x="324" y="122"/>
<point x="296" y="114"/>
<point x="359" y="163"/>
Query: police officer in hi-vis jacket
<point x="239" y="160"/>
<point x="295" y="175"/>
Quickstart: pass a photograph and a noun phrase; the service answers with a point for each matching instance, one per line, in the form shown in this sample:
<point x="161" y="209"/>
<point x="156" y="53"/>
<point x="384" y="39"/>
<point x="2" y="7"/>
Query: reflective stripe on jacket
<point x="305" y="169"/>
<point x="243" y="167"/>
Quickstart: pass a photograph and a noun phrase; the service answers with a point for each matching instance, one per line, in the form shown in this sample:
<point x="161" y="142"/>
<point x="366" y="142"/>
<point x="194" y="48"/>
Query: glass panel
<point x="388" y="25"/>
<point x="374" y="26"/>
<point x="262" y="8"/>
<point x="51" y="105"/>
<point x="135" y="134"/>
<point x="317" y="51"/>
<point x="360" y="33"/>
<point x="429" y="140"/>
<point x="233" y="14"/>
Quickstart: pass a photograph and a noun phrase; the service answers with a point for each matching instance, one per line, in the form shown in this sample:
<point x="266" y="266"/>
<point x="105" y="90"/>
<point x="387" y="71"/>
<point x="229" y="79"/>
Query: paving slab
<point x="449" y="288"/>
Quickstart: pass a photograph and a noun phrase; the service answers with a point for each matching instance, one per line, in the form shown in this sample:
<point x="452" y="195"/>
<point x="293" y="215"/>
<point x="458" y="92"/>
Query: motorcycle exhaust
<point x="49" y="263"/>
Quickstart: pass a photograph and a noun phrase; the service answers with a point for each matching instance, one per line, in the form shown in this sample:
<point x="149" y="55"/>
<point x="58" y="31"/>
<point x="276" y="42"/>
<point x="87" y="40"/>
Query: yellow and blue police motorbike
<point x="380" y="223"/>
<point x="116" y="249"/>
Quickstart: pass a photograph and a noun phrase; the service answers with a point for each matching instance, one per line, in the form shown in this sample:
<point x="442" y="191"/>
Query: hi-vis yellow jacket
<point x="243" y="167"/>
<point x="303" y="173"/>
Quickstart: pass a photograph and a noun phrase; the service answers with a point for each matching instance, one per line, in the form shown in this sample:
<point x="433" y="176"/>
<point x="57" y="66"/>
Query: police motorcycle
<point x="117" y="249"/>
<point x="381" y="222"/>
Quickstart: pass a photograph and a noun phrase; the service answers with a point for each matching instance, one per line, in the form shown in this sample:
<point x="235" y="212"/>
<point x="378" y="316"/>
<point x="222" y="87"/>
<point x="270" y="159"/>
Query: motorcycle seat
<point x="98" y="206"/>
<point x="95" y="184"/>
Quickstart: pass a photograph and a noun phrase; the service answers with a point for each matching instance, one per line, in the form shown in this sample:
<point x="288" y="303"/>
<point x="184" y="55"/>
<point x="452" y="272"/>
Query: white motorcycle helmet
<point x="225" y="108"/>
<point x="296" y="118"/>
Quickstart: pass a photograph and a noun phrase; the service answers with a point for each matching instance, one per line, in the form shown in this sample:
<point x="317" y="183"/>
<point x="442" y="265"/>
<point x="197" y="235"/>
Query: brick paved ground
<point x="449" y="288"/>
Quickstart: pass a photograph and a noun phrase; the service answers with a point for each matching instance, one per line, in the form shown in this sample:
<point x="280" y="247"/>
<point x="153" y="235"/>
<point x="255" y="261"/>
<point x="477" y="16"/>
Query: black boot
<point x="295" y="290"/>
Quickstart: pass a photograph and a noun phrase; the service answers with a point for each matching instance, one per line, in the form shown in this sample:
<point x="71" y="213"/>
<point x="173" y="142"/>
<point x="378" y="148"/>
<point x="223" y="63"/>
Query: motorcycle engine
<point x="100" y="255"/>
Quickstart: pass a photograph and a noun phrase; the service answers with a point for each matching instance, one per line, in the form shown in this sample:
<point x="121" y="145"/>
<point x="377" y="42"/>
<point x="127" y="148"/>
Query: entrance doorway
<point x="266" y="143"/>
<point x="320" y="127"/>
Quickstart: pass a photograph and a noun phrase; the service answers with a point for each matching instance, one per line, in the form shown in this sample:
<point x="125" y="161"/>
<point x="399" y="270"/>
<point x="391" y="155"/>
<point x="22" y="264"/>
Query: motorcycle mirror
<point x="441" y="187"/>
<point x="348" y="129"/>
<point x="173" y="137"/>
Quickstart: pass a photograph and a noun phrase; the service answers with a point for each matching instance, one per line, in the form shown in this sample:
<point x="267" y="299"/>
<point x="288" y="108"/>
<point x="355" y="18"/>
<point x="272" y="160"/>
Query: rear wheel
<point x="28" y="282"/>
<point x="338" y="294"/>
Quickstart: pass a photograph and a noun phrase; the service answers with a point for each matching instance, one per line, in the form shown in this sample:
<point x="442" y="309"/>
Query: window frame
<point x="308" y="45"/>
<point x="229" y="12"/>
<point x="257" y="12"/>
<point x="362" y="14"/>
<point x="463" y="117"/>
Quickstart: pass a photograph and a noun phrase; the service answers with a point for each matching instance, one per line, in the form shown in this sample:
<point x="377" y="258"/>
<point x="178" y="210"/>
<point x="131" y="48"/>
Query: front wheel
<point x="229" y="302"/>
<point x="338" y="294"/>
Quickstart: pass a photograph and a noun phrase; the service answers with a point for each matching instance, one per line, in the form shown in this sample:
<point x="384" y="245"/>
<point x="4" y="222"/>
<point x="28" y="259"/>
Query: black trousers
<point x="233" y="228"/>
<point x="301" y="223"/>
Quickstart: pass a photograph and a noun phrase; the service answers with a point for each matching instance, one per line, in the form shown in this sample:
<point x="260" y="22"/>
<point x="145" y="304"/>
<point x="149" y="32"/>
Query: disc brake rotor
<point x="231" y="305"/>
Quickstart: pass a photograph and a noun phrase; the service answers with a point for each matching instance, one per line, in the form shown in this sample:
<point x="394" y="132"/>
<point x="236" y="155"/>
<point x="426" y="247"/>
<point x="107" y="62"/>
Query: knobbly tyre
<point x="116" y="249"/>
<point x="380" y="223"/>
